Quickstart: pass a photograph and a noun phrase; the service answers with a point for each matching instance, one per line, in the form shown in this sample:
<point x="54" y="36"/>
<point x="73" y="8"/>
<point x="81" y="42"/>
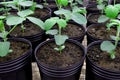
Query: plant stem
<point x="12" y="29"/>
<point x="114" y="2"/>
<point x="116" y="41"/>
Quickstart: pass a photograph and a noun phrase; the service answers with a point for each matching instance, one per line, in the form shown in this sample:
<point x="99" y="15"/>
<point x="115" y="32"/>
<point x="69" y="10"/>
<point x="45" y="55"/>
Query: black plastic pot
<point x="94" y="72"/>
<point x="90" y="38"/>
<point x="19" y="68"/>
<point x="50" y="73"/>
<point x="90" y="16"/>
<point x="78" y="38"/>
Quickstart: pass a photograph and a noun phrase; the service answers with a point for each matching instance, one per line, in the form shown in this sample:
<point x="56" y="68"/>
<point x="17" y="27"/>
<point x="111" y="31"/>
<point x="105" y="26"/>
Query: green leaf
<point x="62" y="23"/>
<point x="4" y="48"/>
<point x="60" y="39"/>
<point x="14" y="20"/>
<point x="36" y="21"/>
<point x="107" y="46"/>
<point x="117" y="6"/>
<point x="110" y="25"/>
<point x="39" y="6"/>
<point x="79" y="10"/>
<point x="2" y="17"/>
<point x="12" y="6"/>
<point x="49" y="23"/>
<point x="26" y="3"/>
<point x="52" y="32"/>
<point x="64" y="2"/>
<point x="78" y="18"/>
<point x="2" y="26"/>
<point x="8" y="2"/>
<point x="62" y="11"/>
<point x="102" y="19"/>
<point x="25" y="13"/>
<point x="101" y="6"/>
<point x="113" y="37"/>
<point x="111" y="11"/>
<point x="118" y="16"/>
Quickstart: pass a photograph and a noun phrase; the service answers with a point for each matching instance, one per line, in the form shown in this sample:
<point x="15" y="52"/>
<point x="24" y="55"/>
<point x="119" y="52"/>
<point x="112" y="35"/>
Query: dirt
<point x="93" y="18"/>
<point x="72" y="54"/>
<point x="41" y="13"/>
<point x="100" y="32"/>
<point x="51" y="5"/>
<point x="19" y="49"/>
<point x="30" y="29"/>
<point x="103" y="59"/>
<point x="72" y="30"/>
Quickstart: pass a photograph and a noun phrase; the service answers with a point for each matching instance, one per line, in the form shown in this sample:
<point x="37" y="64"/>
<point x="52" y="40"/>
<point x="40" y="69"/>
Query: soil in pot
<point x="99" y="64"/>
<point x="69" y="56"/>
<point x="99" y="32"/>
<point x="19" y="49"/>
<point x="54" y="65"/>
<point x="42" y="14"/>
<point x="74" y="31"/>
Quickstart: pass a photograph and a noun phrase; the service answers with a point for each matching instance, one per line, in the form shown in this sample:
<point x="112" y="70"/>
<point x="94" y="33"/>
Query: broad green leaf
<point x="49" y="23"/>
<point x="4" y="34"/>
<point x="12" y="6"/>
<point x="117" y="6"/>
<point x="8" y="2"/>
<point x="60" y="39"/>
<point x="78" y="18"/>
<point x="79" y="10"/>
<point x="101" y="6"/>
<point x="39" y="6"/>
<point x="2" y="17"/>
<point x="62" y="23"/>
<point x="25" y="13"/>
<point x="36" y="21"/>
<point x="4" y="48"/>
<point x="64" y="2"/>
<point x="62" y="11"/>
<point x="26" y="3"/>
<point x="14" y="20"/>
<point x="52" y="32"/>
<point x="107" y="46"/>
<point x="118" y="16"/>
<point x="111" y="11"/>
<point x="2" y="26"/>
<point x="102" y="19"/>
<point x="113" y="37"/>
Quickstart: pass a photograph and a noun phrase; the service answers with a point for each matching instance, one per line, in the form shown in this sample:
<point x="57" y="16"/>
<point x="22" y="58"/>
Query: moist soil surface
<point x="100" y="32"/>
<point x="103" y="59"/>
<point x="72" y="30"/>
<point x="71" y="55"/>
<point x="19" y="49"/>
<point x="41" y="13"/>
<point x="30" y="29"/>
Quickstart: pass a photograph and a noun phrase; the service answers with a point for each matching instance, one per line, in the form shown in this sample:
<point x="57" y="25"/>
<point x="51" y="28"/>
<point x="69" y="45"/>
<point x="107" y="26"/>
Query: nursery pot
<point x="96" y="72"/>
<point x="18" y="68"/>
<point x="74" y="31"/>
<point x="55" y="72"/>
<point x="99" y="31"/>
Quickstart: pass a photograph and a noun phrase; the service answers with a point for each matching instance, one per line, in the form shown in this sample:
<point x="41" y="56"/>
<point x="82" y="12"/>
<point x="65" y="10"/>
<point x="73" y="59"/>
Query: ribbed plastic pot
<point x="90" y="38"/>
<point x="78" y="38"/>
<point x="94" y="72"/>
<point x="19" y="68"/>
<point x="50" y="73"/>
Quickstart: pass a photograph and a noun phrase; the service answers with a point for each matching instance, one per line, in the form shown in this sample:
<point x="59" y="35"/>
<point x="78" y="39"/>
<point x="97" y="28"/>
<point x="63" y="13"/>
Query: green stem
<point x="12" y="29"/>
<point x="116" y="41"/>
<point x="114" y="2"/>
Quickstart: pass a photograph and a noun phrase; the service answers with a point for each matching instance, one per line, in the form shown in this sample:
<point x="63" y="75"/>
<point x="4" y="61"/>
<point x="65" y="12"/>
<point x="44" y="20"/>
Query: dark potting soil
<point x="41" y="13"/>
<point x="69" y="56"/>
<point x="51" y="5"/>
<point x="31" y="29"/>
<point x="103" y="59"/>
<point x="19" y="49"/>
<point x="94" y="18"/>
<point x="72" y="30"/>
<point x="101" y="32"/>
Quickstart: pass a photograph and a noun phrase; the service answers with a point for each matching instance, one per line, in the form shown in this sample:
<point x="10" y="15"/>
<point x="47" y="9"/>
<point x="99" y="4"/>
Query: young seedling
<point x="59" y="38"/>
<point x="111" y="12"/>
<point x="108" y="46"/>
<point x="61" y="3"/>
<point x="23" y="16"/>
